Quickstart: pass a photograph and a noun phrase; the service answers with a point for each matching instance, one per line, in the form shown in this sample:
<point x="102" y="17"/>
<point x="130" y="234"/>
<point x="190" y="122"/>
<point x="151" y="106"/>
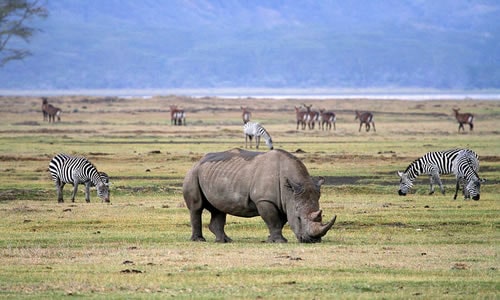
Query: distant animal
<point x="45" y="103"/>
<point x="432" y="164"/>
<point x="252" y="129"/>
<point x="365" y="118"/>
<point x="466" y="168"/>
<point x="53" y="112"/>
<point x="301" y="117"/>
<point x="327" y="119"/>
<point x="246" y="114"/>
<point x="75" y="170"/>
<point x="465" y="118"/>
<point x="311" y="116"/>
<point x="177" y="116"/>
<point x="274" y="185"/>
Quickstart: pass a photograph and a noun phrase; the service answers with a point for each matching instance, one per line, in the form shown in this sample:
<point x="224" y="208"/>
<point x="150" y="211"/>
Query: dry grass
<point x="383" y="245"/>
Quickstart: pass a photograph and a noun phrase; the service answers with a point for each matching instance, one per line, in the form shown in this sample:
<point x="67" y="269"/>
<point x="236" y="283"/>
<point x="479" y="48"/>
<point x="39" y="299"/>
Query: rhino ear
<point x="297" y="188"/>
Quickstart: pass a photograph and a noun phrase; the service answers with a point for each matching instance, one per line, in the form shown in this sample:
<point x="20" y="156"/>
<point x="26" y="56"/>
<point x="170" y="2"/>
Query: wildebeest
<point x="275" y="185"/>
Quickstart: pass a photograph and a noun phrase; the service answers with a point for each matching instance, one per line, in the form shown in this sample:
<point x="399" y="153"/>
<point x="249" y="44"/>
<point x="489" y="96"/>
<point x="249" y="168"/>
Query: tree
<point x="13" y="17"/>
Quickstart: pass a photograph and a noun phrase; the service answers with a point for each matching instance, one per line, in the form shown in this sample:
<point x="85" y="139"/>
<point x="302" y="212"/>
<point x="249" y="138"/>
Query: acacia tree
<point x="13" y="17"/>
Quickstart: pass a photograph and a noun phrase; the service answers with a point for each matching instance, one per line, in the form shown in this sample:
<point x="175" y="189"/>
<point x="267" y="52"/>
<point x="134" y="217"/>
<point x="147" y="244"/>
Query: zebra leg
<point x="471" y="126"/>
<point x="87" y="192"/>
<point x="217" y="223"/>
<point x="456" y="189"/>
<point x="431" y="179"/>
<point x="75" y="189"/>
<point x="360" y="125"/>
<point x="59" y="188"/>
<point x="373" y="123"/>
<point x="367" y="127"/>
<point x="257" y="142"/>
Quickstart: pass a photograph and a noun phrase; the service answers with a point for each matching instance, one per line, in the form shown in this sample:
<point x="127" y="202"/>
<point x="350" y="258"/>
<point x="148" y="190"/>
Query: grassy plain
<point x="382" y="246"/>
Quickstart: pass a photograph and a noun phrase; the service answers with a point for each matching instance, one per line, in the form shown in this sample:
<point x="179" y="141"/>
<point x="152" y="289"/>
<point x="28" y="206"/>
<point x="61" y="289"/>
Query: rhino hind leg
<point x="216" y="226"/>
<point x="196" y="235"/>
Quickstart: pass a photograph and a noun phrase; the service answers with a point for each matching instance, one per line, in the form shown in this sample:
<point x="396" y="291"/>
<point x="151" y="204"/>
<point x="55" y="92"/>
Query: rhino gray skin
<point x="275" y="185"/>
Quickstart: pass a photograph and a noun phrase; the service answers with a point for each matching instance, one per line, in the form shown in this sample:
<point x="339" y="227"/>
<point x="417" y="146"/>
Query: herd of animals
<point x="274" y="185"/>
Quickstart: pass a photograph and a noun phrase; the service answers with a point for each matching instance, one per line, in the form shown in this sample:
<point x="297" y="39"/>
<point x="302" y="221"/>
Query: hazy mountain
<point x="113" y="44"/>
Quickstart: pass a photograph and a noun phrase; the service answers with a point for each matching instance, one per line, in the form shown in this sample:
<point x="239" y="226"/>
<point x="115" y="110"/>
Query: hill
<point x="276" y="44"/>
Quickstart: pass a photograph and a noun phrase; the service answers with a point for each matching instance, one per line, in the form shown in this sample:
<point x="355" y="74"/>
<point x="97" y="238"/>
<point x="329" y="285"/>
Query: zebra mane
<point x="469" y="160"/>
<point x="415" y="165"/>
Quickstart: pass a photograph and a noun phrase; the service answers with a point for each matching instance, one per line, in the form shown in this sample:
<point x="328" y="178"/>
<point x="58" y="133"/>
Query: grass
<point x="382" y="246"/>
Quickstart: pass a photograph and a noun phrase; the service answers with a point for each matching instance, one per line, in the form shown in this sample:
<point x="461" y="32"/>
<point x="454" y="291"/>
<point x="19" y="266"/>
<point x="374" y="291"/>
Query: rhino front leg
<point x="274" y="222"/>
<point x="217" y="223"/>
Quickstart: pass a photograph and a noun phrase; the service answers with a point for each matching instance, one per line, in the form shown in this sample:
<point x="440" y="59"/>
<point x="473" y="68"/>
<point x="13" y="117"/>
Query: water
<point x="261" y="93"/>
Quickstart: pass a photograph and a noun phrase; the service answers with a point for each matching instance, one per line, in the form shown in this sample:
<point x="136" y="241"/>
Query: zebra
<point x="465" y="118"/>
<point x="365" y="118"/>
<point x="433" y="164"/>
<point x="252" y="129"/>
<point x="465" y="168"/>
<point x="74" y="169"/>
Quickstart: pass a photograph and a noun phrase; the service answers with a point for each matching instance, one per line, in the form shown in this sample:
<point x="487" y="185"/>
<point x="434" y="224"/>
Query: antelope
<point x="365" y="118"/>
<point x="328" y="118"/>
<point x="465" y="118"/>
<point x="53" y="112"/>
<point x="177" y="116"/>
<point x="301" y="117"/>
<point x="246" y="114"/>
<point x="45" y="103"/>
<point x="312" y="116"/>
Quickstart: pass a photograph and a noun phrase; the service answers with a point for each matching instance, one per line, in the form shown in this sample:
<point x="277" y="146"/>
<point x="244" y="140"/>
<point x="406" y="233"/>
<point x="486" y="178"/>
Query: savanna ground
<point x="382" y="246"/>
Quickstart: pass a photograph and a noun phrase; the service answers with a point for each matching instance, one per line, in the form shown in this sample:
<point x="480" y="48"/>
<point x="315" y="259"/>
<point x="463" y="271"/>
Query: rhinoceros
<point x="275" y="185"/>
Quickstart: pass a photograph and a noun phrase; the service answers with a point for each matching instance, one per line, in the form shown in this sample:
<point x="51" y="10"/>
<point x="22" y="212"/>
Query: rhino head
<point x="304" y="215"/>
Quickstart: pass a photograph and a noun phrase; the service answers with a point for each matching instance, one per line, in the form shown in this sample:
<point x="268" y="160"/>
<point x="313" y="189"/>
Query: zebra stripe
<point x="432" y="164"/>
<point x="252" y="129"/>
<point x="75" y="170"/>
<point x="466" y="168"/>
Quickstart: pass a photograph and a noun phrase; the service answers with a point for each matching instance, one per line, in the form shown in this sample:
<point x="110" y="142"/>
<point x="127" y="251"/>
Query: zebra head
<point x="473" y="188"/>
<point x="405" y="184"/>
<point x="269" y="143"/>
<point x="103" y="191"/>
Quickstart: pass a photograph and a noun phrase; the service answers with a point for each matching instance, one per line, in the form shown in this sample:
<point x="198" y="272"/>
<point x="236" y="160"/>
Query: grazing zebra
<point x="53" y="112"/>
<point x="465" y="167"/>
<point x="433" y="164"/>
<point x="246" y="114"/>
<point x="465" y="118"/>
<point x="365" y="118"/>
<point x="69" y="169"/>
<point x="328" y="118"/>
<point x="252" y="129"/>
<point x="301" y="117"/>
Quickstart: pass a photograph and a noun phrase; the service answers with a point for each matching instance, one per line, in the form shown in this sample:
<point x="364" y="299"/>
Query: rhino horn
<point x="318" y="229"/>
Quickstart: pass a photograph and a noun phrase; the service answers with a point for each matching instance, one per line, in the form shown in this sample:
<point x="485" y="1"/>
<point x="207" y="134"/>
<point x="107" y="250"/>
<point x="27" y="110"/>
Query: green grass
<point x="383" y="246"/>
